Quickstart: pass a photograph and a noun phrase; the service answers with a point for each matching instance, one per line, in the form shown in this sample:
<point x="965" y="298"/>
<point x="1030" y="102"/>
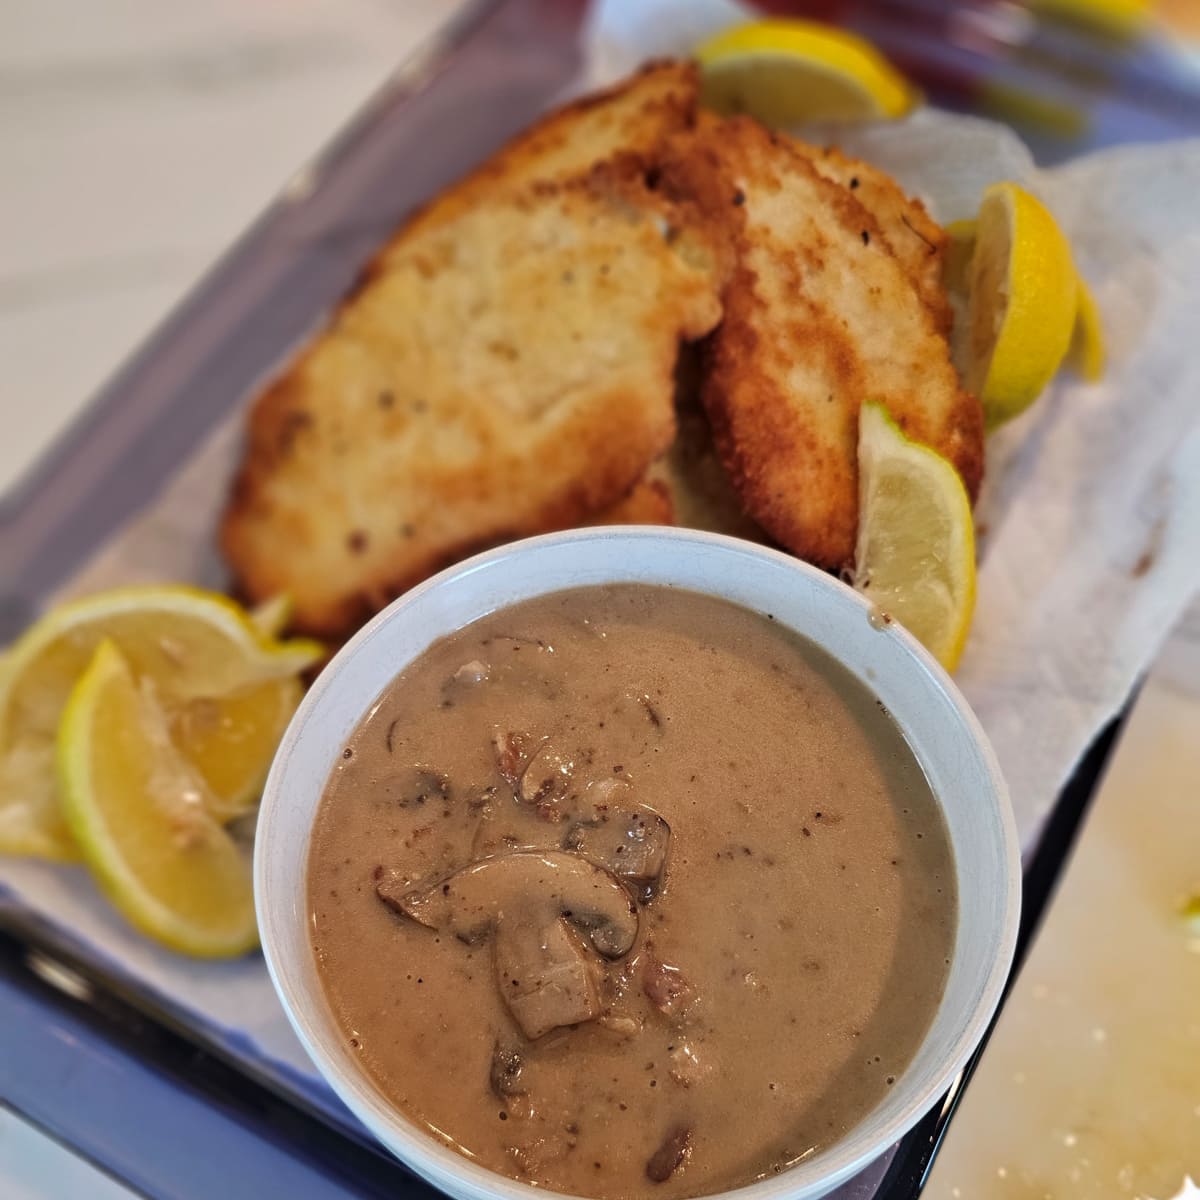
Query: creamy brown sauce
<point x="631" y="892"/>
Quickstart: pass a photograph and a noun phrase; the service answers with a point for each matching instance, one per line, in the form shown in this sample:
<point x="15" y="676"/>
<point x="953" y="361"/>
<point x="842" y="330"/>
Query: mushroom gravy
<point x="628" y="891"/>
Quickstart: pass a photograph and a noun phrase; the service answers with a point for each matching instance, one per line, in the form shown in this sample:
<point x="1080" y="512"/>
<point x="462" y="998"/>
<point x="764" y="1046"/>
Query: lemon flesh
<point x="137" y="811"/>
<point x="785" y="72"/>
<point x="231" y="740"/>
<point x="1021" y="303"/>
<point x="193" y="645"/>
<point x="915" y="555"/>
<point x="31" y="820"/>
<point x="1088" y="354"/>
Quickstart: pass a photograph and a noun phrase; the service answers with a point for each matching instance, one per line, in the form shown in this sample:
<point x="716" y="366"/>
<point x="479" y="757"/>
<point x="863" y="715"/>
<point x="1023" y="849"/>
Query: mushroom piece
<point x="546" y="781"/>
<point x="505" y="1073"/>
<point x="545" y="975"/>
<point x="546" y="884"/>
<point x="471" y="673"/>
<point x="631" y="843"/>
<point x="508" y="825"/>
<point x="531" y="900"/>
<point x="670" y="1156"/>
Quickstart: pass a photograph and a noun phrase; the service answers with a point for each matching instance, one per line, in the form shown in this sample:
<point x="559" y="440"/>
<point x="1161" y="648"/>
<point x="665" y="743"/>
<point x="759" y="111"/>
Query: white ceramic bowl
<point x="939" y="726"/>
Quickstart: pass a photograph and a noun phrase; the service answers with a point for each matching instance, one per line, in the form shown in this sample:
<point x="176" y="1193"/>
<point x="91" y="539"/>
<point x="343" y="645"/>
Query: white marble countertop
<point x="137" y="140"/>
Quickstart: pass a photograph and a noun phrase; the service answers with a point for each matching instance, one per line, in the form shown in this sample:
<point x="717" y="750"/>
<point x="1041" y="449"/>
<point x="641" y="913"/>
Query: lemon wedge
<point x="195" y="646"/>
<point x="1088" y="354"/>
<point x="137" y="812"/>
<point x="787" y="71"/>
<point x="270" y="617"/>
<point x="1021" y="302"/>
<point x="915" y="556"/>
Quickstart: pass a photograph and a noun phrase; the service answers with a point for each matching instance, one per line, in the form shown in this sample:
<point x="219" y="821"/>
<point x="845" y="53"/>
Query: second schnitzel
<point x="819" y="317"/>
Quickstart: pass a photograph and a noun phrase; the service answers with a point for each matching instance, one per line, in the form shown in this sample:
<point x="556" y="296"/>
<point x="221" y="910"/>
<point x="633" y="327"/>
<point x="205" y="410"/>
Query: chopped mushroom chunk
<point x="505" y="1076"/>
<point x="471" y="673"/>
<point x="545" y="975"/>
<point x="671" y="1155"/>
<point x="546" y="781"/>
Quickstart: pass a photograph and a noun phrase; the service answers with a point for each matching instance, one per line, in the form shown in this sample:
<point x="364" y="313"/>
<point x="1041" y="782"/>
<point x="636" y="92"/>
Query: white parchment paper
<point x="1089" y="522"/>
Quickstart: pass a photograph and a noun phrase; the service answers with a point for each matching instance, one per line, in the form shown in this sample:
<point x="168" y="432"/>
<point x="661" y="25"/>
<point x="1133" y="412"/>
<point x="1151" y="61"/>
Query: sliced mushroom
<point x="545" y="975"/>
<point x="670" y="1156"/>
<point x="392" y="889"/>
<point x="546" y="883"/>
<point x="631" y="843"/>
<point x="546" y="781"/>
<point x="505" y="1075"/>
<point x="507" y="825"/>
<point x="529" y="900"/>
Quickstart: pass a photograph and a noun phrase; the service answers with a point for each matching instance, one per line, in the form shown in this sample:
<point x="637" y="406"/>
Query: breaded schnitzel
<point x="819" y="316"/>
<point x="505" y="368"/>
<point x="915" y="238"/>
<point x="509" y="372"/>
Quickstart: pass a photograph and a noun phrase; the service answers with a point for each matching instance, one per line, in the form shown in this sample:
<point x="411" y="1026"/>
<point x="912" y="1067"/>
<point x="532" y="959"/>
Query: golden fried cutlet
<point x="503" y="369"/>
<point x="819" y="316"/>
<point x="915" y="238"/>
<point x="508" y="371"/>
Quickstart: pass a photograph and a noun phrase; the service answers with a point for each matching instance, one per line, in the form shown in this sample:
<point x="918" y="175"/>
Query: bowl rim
<point x="444" y="1167"/>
